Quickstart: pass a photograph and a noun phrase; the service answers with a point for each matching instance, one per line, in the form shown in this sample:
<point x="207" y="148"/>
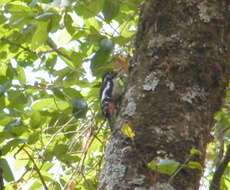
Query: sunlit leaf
<point x="7" y="173"/>
<point x="15" y="143"/>
<point x="18" y="6"/>
<point x="21" y="75"/>
<point x="36" y="185"/>
<point x="127" y="130"/>
<point x="49" y="104"/>
<point x="89" y="8"/>
<point x="16" y="99"/>
<point x="60" y="150"/>
<point x="3" y="69"/>
<point x="4" y="1"/>
<point x="35" y="119"/>
<point x="164" y="166"/>
<point x="194" y="165"/>
<point x="69" y="24"/>
<point x="195" y="152"/>
<point x="57" y="92"/>
<point x="40" y="36"/>
<point x="33" y="137"/>
<point x="72" y="93"/>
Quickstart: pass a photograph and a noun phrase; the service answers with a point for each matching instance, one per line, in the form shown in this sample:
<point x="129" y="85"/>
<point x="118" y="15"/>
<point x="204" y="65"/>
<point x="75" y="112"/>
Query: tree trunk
<point x="177" y="81"/>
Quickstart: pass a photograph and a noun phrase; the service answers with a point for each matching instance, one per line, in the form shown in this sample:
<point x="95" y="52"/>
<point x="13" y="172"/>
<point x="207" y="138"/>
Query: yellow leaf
<point x="127" y="130"/>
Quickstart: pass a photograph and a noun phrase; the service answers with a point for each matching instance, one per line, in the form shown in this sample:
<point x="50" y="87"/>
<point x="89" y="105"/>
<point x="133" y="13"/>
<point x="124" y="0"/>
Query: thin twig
<point x="22" y="176"/>
<point x="80" y="165"/>
<point x="37" y="169"/>
<point x="178" y="169"/>
<point x="58" y="131"/>
<point x="51" y="43"/>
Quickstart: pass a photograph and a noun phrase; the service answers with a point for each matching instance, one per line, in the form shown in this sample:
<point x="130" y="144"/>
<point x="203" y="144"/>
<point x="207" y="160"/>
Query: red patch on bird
<point x="122" y="64"/>
<point x="111" y="108"/>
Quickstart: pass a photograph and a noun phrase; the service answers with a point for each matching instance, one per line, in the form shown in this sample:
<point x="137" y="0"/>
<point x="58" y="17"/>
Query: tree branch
<point x="215" y="184"/>
<point x="53" y="46"/>
<point x="37" y="169"/>
<point x="18" y="45"/>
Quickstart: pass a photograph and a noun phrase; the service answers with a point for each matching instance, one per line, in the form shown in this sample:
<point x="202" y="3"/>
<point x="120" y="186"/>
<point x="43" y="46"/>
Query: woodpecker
<point x="110" y="95"/>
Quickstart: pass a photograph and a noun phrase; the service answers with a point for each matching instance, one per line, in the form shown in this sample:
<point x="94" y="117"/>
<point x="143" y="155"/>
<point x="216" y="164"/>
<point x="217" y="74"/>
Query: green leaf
<point x="54" y="23"/>
<point x="122" y="41"/>
<point x="3" y="69"/>
<point x="20" y="12"/>
<point x="49" y="104"/>
<point x="72" y="93"/>
<point x="76" y="59"/>
<point x="111" y="9"/>
<point x="59" y="150"/>
<point x="5" y="119"/>
<point x="195" y="152"/>
<point x="7" y="173"/>
<point x="89" y="8"/>
<point x="127" y="130"/>
<point x="51" y="61"/>
<point x="194" y="165"/>
<point x="68" y="54"/>
<point x="36" y="185"/>
<point x="48" y="155"/>
<point x="2" y="103"/>
<point x="44" y="16"/>
<point x="4" y="136"/>
<point x="58" y="93"/>
<point x="90" y="184"/>
<point x="69" y="24"/>
<point x="55" y="185"/>
<point x="68" y="158"/>
<point x="47" y="165"/>
<point x="12" y="144"/>
<point x="99" y="61"/>
<point x="15" y="127"/>
<point x="41" y="35"/>
<point x="16" y="99"/>
<point x="101" y="57"/>
<point x="165" y="166"/>
<point x="35" y="119"/>
<point x="3" y="55"/>
<point x="21" y="75"/>
<point x="33" y="138"/>
<point x="2" y="2"/>
<point x="2" y="90"/>
<point x="18" y="6"/>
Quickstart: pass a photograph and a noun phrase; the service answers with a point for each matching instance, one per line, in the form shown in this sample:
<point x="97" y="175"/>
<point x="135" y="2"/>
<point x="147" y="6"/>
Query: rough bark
<point x="176" y="83"/>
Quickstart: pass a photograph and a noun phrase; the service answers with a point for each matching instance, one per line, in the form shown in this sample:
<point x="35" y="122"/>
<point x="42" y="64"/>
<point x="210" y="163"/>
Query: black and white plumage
<point x="111" y="92"/>
<point x="107" y="103"/>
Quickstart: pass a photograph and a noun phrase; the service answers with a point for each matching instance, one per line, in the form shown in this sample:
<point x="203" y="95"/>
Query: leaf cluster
<point x="52" y="57"/>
